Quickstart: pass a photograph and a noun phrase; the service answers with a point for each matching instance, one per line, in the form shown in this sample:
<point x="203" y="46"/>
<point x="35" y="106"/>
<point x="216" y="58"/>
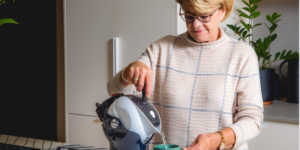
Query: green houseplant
<point x="262" y="45"/>
<point x="6" y="20"/>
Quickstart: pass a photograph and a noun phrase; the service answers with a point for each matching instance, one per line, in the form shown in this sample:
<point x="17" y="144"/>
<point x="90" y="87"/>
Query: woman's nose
<point x="197" y="23"/>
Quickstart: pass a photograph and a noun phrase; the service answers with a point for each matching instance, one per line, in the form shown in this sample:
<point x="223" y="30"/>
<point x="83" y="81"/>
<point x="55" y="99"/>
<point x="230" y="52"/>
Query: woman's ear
<point x="223" y="11"/>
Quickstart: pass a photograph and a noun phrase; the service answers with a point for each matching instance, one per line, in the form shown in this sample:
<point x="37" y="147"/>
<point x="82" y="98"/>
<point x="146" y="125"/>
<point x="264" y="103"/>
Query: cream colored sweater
<point x="201" y="88"/>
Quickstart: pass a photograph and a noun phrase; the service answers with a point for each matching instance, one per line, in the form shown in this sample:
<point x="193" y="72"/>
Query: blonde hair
<point x="207" y="6"/>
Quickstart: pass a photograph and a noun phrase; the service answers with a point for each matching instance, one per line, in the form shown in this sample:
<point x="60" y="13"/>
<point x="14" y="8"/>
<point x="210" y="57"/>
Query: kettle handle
<point x="144" y="98"/>
<point x="280" y="69"/>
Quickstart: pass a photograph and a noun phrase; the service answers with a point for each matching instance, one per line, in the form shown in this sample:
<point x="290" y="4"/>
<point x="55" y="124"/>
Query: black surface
<point x="28" y="69"/>
<point x="77" y="147"/>
<point x="15" y="147"/>
<point x="292" y="80"/>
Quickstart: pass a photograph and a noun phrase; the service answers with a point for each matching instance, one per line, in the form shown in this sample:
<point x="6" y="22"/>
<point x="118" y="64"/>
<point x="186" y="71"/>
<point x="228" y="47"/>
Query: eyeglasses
<point x="190" y="18"/>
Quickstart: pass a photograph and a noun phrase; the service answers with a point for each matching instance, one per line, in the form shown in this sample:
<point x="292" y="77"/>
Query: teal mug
<point x="169" y="147"/>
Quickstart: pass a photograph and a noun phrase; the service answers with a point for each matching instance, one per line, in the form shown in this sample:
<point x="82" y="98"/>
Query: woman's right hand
<point x="138" y="74"/>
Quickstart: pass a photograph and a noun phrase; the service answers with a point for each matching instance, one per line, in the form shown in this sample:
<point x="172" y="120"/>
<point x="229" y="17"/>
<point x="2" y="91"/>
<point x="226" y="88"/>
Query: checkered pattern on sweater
<point x="201" y="88"/>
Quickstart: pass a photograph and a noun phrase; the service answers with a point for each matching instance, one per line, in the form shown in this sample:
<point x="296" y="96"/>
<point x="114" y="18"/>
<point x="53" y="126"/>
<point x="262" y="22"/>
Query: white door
<point x="90" y="26"/>
<point x="142" y="22"/>
<point x="86" y="130"/>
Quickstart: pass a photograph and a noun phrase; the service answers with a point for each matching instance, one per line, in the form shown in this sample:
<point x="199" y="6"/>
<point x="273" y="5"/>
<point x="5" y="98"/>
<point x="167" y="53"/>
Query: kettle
<point x="129" y="122"/>
<point x="292" y="80"/>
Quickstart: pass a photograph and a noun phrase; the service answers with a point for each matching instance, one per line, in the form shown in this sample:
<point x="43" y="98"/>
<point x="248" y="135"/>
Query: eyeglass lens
<point x="190" y="18"/>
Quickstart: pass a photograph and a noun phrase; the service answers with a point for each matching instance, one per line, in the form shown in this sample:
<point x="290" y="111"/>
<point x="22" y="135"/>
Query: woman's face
<point x="203" y="32"/>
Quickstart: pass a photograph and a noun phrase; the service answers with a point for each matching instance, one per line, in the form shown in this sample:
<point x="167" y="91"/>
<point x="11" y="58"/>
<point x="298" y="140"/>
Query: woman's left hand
<point x="205" y="142"/>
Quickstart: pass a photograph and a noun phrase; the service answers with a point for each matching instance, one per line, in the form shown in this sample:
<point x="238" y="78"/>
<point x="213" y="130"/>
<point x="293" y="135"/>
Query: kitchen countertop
<point x="282" y="111"/>
<point x="29" y="142"/>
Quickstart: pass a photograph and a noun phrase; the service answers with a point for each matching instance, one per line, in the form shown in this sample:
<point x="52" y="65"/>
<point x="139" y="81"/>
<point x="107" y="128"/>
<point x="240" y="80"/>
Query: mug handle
<point x="280" y="69"/>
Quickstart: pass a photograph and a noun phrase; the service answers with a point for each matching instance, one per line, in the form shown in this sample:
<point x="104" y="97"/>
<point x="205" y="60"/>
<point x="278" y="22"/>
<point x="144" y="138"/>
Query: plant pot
<point x="267" y="81"/>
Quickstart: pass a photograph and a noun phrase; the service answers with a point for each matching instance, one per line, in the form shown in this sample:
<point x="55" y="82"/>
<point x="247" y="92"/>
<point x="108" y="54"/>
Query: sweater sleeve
<point x="116" y="86"/>
<point x="249" y="109"/>
<point x="150" y="55"/>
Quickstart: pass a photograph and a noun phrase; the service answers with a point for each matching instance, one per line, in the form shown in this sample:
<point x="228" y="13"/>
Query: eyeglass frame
<point x="194" y="16"/>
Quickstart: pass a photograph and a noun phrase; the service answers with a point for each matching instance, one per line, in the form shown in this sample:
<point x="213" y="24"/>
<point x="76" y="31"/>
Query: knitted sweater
<point x="201" y="88"/>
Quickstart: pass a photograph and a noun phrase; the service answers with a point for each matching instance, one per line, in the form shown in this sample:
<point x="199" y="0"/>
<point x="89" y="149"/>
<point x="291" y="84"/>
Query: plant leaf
<point x="287" y="56"/>
<point x="244" y="34"/>
<point x="277" y="20"/>
<point x="255" y="15"/>
<point x="295" y="55"/>
<point x="265" y="55"/>
<point x="7" y="20"/>
<point x="254" y="44"/>
<point x="250" y="2"/>
<point x="247" y="26"/>
<point x="247" y="9"/>
<point x="267" y="26"/>
<point x="282" y="54"/>
<point x="237" y="29"/>
<point x="260" y="44"/>
<point x="253" y="8"/>
<point x="257" y="54"/>
<point x="275" y="16"/>
<point x="230" y="26"/>
<point x="273" y="37"/>
<point x="273" y="27"/>
<point x="256" y="25"/>
<point x="256" y="1"/>
<point x="266" y="43"/>
<point x="2" y="2"/>
<point x="246" y="4"/>
<point x="248" y="35"/>
<point x="277" y="55"/>
<point x="269" y="56"/>
<point x="241" y="30"/>
<point x="269" y="18"/>
<point x="243" y="14"/>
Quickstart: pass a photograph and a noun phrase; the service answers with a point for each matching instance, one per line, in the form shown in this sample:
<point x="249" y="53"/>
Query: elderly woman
<point x="204" y="84"/>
